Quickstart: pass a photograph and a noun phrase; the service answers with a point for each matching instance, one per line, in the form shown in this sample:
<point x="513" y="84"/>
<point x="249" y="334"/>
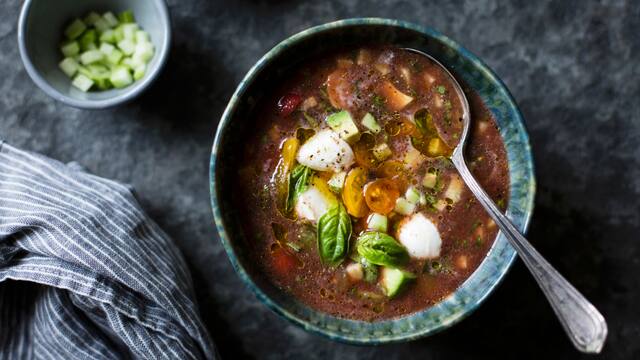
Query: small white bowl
<point x="40" y="32"/>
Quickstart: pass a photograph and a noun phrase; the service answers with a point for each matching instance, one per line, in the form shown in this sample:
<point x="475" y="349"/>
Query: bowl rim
<point x="221" y="227"/>
<point x="131" y="92"/>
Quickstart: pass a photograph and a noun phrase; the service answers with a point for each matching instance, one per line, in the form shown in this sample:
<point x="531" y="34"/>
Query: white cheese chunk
<point x="326" y="151"/>
<point x="420" y="237"/>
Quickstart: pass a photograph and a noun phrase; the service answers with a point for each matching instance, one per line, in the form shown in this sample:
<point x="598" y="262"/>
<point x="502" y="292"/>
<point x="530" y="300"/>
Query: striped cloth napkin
<point x="84" y="273"/>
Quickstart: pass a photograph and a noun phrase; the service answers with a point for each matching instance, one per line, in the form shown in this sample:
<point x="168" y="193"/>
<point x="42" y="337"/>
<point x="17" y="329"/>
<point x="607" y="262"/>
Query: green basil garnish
<point x="298" y="183"/>
<point x="334" y="231"/>
<point x="381" y="249"/>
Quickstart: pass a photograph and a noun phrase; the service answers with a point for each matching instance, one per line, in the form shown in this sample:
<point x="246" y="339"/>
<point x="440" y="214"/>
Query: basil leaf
<point x="298" y="183"/>
<point x="381" y="249"/>
<point x="334" y="231"/>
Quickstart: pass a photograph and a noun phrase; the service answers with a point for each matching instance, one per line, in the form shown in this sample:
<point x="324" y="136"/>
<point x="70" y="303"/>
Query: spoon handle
<point x="583" y="323"/>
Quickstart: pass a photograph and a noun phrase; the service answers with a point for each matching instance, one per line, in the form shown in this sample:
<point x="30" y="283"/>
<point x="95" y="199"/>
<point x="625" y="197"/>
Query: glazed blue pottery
<point x="469" y="70"/>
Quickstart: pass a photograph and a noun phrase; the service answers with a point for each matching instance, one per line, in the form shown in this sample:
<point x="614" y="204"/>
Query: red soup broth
<point x="399" y="89"/>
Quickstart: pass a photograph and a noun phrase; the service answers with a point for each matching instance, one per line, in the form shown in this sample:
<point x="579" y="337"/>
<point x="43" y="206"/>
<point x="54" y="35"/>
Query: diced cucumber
<point x="75" y="29"/>
<point x="91" y="18"/>
<point x="121" y="77"/>
<point x="118" y="34"/>
<point x="342" y="123"/>
<point x="412" y="195"/>
<point x="430" y="179"/>
<point x="82" y="82"/>
<point x="70" y="49"/>
<point x="371" y="124"/>
<point x="377" y="222"/>
<point x="87" y="39"/>
<point x="126" y="17"/>
<point x="91" y="56"/>
<point x="404" y="207"/>
<point x="127" y="62"/>
<point x="127" y="46"/>
<point x="381" y="151"/>
<point x="423" y="199"/>
<point x="115" y="57"/>
<point x="107" y="49"/>
<point x="129" y="31"/>
<point x="110" y="19"/>
<point x="101" y="25"/>
<point x="336" y="183"/>
<point x="101" y="75"/>
<point x="370" y="271"/>
<point x="142" y="36"/>
<point x="108" y="36"/>
<point x="144" y="51"/>
<point x="138" y="72"/>
<point x="394" y="280"/>
<point x="69" y="66"/>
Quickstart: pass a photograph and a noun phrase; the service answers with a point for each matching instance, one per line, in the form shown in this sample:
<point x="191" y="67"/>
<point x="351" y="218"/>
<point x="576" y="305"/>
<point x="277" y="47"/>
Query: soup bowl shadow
<point x="236" y="120"/>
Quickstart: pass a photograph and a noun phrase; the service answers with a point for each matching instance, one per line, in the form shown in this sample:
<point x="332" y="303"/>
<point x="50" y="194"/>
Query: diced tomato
<point x="288" y="103"/>
<point x="284" y="261"/>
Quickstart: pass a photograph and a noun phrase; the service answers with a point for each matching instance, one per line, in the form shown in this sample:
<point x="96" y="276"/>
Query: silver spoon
<point x="584" y="324"/>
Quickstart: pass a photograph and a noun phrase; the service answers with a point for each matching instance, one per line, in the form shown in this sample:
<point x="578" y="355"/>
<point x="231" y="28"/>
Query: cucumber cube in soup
<point x="91" y="56"/>
<point x="91" y="18"/>
<point x="381" y="151"/>
<point x="394" y="280"/>
<point x="82" y="82"/>
<point x="342" y="124"/>
<point x="121" y="77"/>
<point x="75" y="29"/>
<point x="126" y="16"/>
<point x="87" y="39"/>
<point x="377" y="222"/>
<point x="70" y="49"/>
<point x="108" y="36"/>
<point x="69" y="66"/>
<point x="101" y="25"/>
<point x="369" y="122"/>
<point x="430" y="179"/>
<point x="336" y="183"/>
<point x="404" y="207"/>
<point x="138" y="72"/>
<point x="412" y="195"/>
<point x="127" y="46"/>
<point x="111" y="19"/>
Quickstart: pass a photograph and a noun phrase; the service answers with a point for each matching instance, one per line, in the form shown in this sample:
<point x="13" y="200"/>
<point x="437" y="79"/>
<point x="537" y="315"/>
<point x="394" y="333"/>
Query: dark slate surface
<point x="573" y="66"/>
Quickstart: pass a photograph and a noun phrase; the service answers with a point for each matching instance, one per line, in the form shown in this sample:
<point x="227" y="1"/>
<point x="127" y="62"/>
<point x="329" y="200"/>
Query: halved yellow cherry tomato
<point x="363" y="151"/>
<point x="352" y="194"/>
<point x="381" y="195"/>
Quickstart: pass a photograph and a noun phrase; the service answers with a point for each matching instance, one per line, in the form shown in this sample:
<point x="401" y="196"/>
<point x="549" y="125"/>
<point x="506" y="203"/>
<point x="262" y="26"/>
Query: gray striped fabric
<point x="84" y="273"/>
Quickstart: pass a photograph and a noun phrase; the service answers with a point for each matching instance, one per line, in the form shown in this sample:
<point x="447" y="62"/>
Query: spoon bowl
<point x="583" y="323"/>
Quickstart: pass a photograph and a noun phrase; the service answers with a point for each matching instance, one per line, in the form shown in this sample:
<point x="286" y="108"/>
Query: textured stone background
<point x="573" y="66"/>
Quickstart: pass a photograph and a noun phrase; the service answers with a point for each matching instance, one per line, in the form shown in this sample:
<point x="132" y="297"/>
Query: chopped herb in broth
<point x="348" y="172"/>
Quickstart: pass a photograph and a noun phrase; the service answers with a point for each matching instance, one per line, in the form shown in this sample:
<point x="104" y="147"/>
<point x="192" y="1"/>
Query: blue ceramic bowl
<point x="40" y="31"/>
<point x="464" y="65"/>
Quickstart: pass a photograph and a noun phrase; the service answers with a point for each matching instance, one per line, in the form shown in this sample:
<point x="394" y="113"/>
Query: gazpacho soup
<point x="348" y="198"/>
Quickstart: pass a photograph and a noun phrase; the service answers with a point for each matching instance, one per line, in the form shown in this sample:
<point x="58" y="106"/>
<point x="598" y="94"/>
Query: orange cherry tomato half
<point x="381" y="195"/>
<point x="352" y="194"/>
